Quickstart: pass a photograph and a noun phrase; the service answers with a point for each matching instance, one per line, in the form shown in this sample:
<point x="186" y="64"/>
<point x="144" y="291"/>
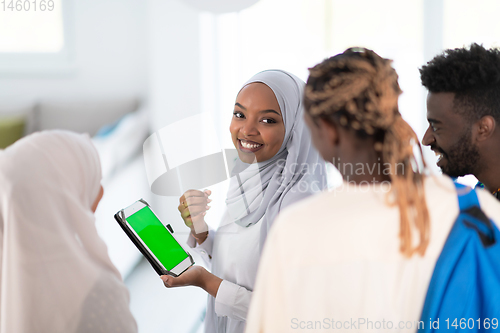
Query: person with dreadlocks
<point x="463" y="111"/>
<point x="359" y="257"/>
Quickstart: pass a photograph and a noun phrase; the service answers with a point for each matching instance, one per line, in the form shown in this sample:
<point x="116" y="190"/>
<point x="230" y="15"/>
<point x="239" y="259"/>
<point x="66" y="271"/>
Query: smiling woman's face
<point x="257" y="127"/>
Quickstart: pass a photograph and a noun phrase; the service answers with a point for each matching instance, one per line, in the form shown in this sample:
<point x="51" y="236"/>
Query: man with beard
<point x="463" y="111"/>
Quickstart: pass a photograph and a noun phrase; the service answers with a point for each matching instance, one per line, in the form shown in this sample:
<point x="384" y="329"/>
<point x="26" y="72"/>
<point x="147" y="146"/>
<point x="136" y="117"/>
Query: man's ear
<point x="329" y="131"/>
<point x="485" y="127"/>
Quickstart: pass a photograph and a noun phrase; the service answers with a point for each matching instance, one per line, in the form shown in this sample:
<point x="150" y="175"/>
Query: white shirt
<point x="333" y="262"/>
<point x="233" y="253"/>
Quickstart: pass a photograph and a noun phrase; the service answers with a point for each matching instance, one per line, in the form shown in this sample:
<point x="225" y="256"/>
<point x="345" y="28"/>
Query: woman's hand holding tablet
<point x="195" y="276"/>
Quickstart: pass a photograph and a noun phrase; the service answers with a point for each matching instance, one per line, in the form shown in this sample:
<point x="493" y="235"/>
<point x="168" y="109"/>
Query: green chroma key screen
<point x="157" y="238"/>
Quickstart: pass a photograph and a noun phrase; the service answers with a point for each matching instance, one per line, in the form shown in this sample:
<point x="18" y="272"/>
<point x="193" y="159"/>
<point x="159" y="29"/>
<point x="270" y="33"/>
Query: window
<point x="34" y="36"/>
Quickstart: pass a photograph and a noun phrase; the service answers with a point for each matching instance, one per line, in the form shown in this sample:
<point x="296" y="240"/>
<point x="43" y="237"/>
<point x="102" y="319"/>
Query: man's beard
<point x="462" y="158"/>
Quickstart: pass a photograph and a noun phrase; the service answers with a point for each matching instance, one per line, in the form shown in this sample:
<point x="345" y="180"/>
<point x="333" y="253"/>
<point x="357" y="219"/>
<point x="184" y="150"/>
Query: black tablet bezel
<point x="158" y="267"/>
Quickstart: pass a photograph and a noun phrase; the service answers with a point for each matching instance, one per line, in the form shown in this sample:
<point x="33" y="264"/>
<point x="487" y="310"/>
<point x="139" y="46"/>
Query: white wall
<point x="174" y="61"/>
<point x="173" y="78"/>
<point x="110" y="54"/>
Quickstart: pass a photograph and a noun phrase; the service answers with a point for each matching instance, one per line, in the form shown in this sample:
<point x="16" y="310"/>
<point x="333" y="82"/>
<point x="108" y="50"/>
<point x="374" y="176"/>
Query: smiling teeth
<point x="439" y="155"/>
<point x="248" y="145"/>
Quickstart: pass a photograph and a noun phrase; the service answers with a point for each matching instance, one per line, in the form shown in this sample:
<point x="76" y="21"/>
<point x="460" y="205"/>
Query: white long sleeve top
<point x="233" y="254"/>
<point x="332" y="262"/>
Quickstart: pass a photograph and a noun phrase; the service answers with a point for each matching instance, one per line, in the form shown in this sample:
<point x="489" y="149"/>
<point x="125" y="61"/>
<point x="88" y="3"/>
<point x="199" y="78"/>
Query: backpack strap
<point x="473" y="216"/>
<point x="467" y="197"/>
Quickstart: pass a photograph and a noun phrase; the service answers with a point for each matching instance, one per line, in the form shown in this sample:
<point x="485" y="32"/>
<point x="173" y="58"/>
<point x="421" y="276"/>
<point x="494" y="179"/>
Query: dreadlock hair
<point x="359" y="90"/>
<point x="473" y="74"/>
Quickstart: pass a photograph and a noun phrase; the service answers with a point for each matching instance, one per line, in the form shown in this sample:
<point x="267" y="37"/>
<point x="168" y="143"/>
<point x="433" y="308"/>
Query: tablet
<point x="153" y="239"/>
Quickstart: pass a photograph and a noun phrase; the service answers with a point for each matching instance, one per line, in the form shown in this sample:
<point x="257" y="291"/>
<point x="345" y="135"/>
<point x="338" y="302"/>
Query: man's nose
<point x="428" y="138"/>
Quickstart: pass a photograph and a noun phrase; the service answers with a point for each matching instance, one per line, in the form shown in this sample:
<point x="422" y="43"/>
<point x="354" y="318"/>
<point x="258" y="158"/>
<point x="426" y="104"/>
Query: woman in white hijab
<point x="276" y="166"/>
<point x="56" y="275"/>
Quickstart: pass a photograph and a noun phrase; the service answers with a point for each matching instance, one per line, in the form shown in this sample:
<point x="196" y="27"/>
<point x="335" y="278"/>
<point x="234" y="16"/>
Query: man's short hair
<point x="473" y="74"/>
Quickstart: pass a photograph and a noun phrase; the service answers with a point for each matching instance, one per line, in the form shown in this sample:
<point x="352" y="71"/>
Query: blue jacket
<point x="464" y="292"/>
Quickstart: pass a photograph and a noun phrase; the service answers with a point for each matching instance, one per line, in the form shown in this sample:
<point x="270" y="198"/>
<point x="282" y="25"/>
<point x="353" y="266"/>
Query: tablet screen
<point x="157" y="238"/>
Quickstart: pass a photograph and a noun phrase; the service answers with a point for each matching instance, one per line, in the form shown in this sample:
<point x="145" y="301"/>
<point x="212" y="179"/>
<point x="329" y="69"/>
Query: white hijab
<point x="261" y="190"/>
<point x="56" y="275"/>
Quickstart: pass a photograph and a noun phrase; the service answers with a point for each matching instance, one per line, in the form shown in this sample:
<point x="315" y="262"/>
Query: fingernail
<point x="209" y="200"/>
<point x="204" y="213"/>
<point x="207" y="207"/>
